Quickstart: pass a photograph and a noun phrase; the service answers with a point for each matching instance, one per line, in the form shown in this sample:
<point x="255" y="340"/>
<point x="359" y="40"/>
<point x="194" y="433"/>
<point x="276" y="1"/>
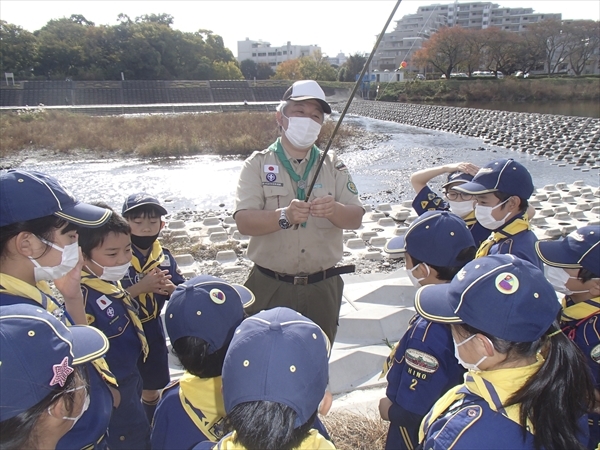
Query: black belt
<point x="307" y="279"/>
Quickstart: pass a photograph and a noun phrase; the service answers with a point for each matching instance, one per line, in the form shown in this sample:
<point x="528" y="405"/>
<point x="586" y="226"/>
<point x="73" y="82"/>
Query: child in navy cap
<point x="573" y="269"/>
<point x="274" y="376"/>
<point x="43" y="389"/>
<point x="422" y="366"/>
<point x="152" y="277"/>
<point x="460" y="203"/>
<point x="39" y="221"/>
<point x="502" y="189"/>
<point x="201" y="317"/>
<point x="502" y="312"/>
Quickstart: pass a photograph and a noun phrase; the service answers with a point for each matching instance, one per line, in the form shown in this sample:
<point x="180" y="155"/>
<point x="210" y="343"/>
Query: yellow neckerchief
<point x="389" y="361"/>
<point x="470" y="219"/>
<point x="494" y="386"/>
<point x="42" y="294"/>
<point x="116" y="291"/>
<point x="314" y="441"/>
<point x="581" y="310"/>
<point x="516" y="226"/>
<point x="202" y="400"/>
<point x="155" y="258"/>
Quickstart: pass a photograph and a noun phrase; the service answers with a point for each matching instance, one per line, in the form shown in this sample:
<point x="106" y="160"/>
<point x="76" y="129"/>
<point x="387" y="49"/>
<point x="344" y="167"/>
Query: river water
<point x="381" y="171"/>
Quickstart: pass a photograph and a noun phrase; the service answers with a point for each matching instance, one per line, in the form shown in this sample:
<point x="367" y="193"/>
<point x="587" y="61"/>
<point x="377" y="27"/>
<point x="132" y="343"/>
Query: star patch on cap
<point x="61" y="372"/>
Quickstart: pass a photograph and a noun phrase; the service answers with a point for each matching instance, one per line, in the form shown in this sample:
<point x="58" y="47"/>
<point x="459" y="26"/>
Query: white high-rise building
<point x="262" y="52"/>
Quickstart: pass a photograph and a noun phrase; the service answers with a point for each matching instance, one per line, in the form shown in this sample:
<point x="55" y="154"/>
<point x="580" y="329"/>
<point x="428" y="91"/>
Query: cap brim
<point x="246" y="294"/>
<point x="557" y="254"/>
<point x="471" y="187"/>
<point x="84" y="215"/>
<point x="89" y="344"/>
<point x="163" y="211"/>
<point x="395" y="245"/>
<point x="432" y="302"/>
<point x="456" y="182"/>
<point x="324" y="104"/>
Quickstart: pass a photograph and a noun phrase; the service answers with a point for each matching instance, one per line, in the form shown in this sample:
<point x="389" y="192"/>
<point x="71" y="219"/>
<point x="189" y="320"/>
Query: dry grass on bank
<point x="155" y="135"/>
<point x="353" y="432"/>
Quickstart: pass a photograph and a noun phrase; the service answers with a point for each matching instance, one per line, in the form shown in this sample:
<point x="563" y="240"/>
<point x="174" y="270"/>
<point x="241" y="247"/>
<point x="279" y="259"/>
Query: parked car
<point x="483" y="74"/>
<point x="459" y="75"/>
<point x="420" y="76"/>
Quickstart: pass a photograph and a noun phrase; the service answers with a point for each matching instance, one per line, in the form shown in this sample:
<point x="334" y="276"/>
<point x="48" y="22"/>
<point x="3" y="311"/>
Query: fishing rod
<point x="339" y="122"/>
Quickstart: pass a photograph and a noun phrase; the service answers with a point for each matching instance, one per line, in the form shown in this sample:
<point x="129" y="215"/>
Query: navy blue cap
<point x="206" y="307"/>
<point x="37" y="353"/>
<point x="142" y="198"/>
<point x="28" y="195"/>
<point x="435" y="237"/>
<point x="581" y="248"/>
<point x="502" y="295"/>
<point x="277" y="355"/>
<point x="502" y="175"/>
<point x="457" y="178"/>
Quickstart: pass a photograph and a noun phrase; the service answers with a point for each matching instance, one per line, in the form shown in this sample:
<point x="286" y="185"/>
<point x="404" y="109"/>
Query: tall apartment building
<point x="262" y="52"/>
<point x="413" y="29"/>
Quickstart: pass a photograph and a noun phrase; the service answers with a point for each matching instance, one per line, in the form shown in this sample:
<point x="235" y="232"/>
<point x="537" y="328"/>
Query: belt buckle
<point x="301" y="280"/>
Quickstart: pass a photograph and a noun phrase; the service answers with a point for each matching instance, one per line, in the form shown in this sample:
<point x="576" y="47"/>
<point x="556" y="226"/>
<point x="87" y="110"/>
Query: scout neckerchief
<point x="314" y="441"/>
<point x="301" y="182"/>
<point x="41" y="294"/>
<point x="389" y="361"/>
<point x="494" y="386"/>
<point x="470" y="219"/>
<point x="148" y="307"/>
<point x="580" y="312"/>
<point x="202" y="400"/>
<point x="117" y="292"/>
<point x="516" y="226"/>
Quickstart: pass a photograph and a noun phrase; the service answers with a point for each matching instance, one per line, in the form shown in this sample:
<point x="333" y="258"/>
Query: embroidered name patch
<point x="267" y="183"/>
<point x="421" y="361"/>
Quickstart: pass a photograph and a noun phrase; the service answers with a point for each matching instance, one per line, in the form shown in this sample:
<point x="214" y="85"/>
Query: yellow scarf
<point x="494" y="386"/>
<point x="42" y="294"/>
<point x="579" y="310"/>
<point x="148" y="307"/>
<point x="314" y="441"/>
<point x="470" y="219"/>
<point x="514" y="227"/>
<point x="202" y="400"/>
<point x="387" y="364"/>
<point x="116" y="291"/>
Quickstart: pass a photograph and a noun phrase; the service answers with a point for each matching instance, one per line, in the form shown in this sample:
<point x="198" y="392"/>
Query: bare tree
<point x="445" y="50"/>
<point x="583" y="44"/>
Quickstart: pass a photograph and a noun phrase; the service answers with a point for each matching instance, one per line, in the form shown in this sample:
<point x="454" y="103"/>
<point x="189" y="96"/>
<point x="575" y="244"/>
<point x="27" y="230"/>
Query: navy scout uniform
<point x="265" y="184"/>
<point x="105" y="309"/>
<point x="314" y="441"/>
<point x="90" y="430"/>
<point x="427" y="200"/>
<point x="423" y="368"/>
<point x="155" y="370"/>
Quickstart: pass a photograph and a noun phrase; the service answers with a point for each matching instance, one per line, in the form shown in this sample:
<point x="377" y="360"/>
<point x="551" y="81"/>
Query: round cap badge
<point x="507" y="283"/>
<point x="217" y="296"/>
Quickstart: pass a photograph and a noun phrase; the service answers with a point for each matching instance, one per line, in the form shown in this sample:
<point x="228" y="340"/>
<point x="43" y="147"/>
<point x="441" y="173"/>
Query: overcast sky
<point x="334" y="25"/>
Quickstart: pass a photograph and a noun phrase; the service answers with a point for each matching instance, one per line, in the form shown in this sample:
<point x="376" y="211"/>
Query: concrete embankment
<point x="566" y="139"/>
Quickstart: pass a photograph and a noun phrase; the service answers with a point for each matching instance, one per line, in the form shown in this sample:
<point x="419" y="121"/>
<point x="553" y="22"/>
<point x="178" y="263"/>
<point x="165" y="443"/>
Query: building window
<point x="253" y="54"/>
<point x="272" y="64"/>
<point x="262" y="54"/>
<point x="285" y="52"/>
<point x="254" y="45"/>
<point x="271" y="53"/>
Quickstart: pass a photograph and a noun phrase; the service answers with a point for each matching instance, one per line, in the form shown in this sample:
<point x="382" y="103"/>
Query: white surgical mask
<point x="302" y="132"/>
<point x="84" y="407"/>
<point x="414" y="280"/>
<point x="461" y="209"/>
<point x="465" y="364"/>
<point x="558" y="278"/>
<point x="114" y="273"/>
<point x="68" y="261"/>
<point x="483" y="214"/>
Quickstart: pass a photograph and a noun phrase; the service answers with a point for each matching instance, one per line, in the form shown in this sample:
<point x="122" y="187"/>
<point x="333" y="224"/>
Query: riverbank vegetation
<point x="152" y="135"/>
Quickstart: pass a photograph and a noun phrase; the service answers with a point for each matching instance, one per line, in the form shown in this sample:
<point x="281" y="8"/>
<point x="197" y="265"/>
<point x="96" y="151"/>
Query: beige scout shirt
<point x="310" y="249"/>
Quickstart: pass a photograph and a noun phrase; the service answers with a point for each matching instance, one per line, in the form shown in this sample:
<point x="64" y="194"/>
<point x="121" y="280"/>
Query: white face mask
<point x="68" y="261"/>
<point x="461" y="209"/>
<point x="302" y="132"/>
<point x="84" y="407"/>
<point x="114" y="273"/>
<point x="483" y="214"/>
<point x="558" y="278"/>
<point x="414" y="280"/>
<point x="465" y="364"/>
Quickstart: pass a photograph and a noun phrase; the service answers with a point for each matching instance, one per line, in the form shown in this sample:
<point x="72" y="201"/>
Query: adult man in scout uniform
<point x="295" y="244"/>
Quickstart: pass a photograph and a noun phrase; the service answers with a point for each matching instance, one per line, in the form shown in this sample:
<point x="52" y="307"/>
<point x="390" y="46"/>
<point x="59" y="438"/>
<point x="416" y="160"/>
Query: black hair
<point x="556" y="397"/>
<point x="42" y="227"/>
<point x="503" y="196"/>
<point x="466" y="255"/>
<point x="265" y="425"/>
<point x="143" y="211"/>
<point x="194" y="357"/>
<point x="19" y="431"/>
<point x="585" y="275"/>
<point x="90" y="238"/>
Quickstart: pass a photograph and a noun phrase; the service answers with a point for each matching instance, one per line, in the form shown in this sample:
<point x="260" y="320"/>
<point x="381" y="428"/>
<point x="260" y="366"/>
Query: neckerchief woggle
<point x="40" y="294"/>
<point x="202" y="400"/>
<point x="494" y="386"/>
<point x="516" y="226"/>
<point x="148" y="307"/>
<point x="301" y="182"/>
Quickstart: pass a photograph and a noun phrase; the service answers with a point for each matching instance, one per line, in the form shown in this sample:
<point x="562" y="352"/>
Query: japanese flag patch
<point x="103" y="302"/>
